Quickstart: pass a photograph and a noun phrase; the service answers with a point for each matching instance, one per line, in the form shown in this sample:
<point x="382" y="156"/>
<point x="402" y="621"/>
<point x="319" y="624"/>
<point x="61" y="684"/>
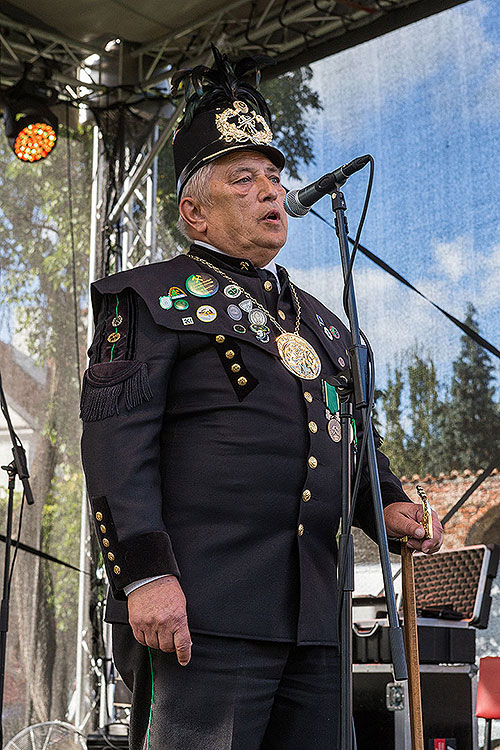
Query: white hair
<point x="197" y="188"/>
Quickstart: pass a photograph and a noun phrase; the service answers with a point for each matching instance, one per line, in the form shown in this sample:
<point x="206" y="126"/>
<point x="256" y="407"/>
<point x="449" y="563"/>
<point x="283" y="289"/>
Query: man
<point x="212" y="458"/>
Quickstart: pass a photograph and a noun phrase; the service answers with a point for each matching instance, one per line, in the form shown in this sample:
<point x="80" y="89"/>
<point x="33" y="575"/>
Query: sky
<point x="425" y="102"/>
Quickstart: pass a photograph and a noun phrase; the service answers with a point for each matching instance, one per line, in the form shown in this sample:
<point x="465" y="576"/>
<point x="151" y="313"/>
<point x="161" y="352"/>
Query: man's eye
<point x="275" y="179"/>
<point x="244" y="179"/>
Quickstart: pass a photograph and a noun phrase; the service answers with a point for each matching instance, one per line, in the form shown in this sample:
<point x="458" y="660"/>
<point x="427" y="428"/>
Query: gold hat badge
<point x="243" y="125"/>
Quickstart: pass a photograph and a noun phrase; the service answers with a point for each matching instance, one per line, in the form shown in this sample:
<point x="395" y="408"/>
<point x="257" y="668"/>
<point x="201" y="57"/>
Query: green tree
<point x="37" y="293"/>
<point x="394" y="435"/>
<point x="291" y="100"/>
<point x="423" y="443"/>
<point x="470" y="419"/>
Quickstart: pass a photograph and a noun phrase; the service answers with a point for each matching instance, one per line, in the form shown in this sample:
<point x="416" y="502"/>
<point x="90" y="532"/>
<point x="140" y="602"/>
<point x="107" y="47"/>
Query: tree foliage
<point x="394" y="437"/>
<point x="39" y="317"/>
<point x="444" y="426"/>
<point x="470" y="419"/>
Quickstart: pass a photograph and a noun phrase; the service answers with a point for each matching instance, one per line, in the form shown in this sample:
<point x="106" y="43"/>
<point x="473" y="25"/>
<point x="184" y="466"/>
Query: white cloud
<point x="396" y="319"/>
<point x="454" y="258"/>
<point x="490" y="288"/>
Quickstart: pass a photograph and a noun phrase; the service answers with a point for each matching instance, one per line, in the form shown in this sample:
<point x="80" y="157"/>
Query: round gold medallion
<point x="298" y="356"/>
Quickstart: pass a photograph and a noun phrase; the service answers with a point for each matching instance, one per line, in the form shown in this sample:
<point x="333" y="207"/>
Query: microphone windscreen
<point x="293" y="206"/>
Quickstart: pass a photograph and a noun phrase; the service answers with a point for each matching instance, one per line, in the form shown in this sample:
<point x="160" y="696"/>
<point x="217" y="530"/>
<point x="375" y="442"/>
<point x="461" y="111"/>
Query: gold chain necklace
<point x="297" y="354"/>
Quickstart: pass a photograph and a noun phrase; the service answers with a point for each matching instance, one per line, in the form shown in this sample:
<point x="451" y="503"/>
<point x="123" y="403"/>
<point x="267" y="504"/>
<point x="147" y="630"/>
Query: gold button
<point x="105" y="542"/>
<point x="98" y="515"/>
<point x="236" y="367"/>
<point x="111" y="556"/>
<point x="308" y="396"/>
<point x="220" y="339"/>
<point x="229" y="354"/>
<point x="281" y="314"/>
<point x="268" y="286"/>
<point x="300" y="529"/>
<point x="312" y="461"/>
<point x="242" y="381"/>
<point x="117" y="570"/>
<point x="103" y="528"/>
<point x="306" y="496"/>
<point x="313" y="426"/>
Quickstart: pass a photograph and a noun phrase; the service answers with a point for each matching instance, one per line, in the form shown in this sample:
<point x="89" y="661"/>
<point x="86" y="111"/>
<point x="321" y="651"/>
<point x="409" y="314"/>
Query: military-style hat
<point x="224" y="113"/>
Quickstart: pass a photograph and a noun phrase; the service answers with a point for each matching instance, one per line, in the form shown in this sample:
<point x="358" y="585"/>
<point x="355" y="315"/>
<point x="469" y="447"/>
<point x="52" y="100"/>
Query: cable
<point x="73" y="255"/>
<point x="348" y="275"/>
<point x="16" y="544"/>
<point x="474" y="335"/>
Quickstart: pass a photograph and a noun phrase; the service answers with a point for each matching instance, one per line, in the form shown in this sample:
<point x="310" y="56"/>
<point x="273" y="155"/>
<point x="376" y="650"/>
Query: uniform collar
<point x="243" y="265"/>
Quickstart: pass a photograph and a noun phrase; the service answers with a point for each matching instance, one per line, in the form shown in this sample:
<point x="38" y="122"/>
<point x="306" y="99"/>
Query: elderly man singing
<point x="212" y="456"/>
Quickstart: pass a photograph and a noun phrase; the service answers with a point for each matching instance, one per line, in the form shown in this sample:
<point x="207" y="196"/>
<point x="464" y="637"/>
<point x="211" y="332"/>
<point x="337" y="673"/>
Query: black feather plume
<point x="222" y="84"/>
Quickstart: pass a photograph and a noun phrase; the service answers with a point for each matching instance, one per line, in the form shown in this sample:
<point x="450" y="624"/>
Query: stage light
<point x="30" y="126"/>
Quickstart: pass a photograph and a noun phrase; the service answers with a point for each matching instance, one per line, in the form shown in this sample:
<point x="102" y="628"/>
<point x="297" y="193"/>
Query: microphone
<point x="298" y="202"/>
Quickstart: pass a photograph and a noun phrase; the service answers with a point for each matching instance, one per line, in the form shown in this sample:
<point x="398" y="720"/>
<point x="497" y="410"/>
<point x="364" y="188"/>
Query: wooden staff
<point x="410" y="629"/>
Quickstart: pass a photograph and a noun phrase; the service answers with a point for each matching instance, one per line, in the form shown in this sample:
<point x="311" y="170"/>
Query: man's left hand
<point x="405" y="519"/>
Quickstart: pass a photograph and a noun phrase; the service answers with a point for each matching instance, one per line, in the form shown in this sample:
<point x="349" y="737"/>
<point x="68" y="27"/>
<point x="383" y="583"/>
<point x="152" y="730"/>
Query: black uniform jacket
<point x="205" y="457"/>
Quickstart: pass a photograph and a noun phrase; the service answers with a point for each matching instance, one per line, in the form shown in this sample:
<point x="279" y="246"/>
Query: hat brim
<point x="272" y="153"/>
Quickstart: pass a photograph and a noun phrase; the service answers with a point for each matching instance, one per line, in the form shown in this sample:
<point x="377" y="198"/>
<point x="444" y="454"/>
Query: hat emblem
<point x="243" y="125"/>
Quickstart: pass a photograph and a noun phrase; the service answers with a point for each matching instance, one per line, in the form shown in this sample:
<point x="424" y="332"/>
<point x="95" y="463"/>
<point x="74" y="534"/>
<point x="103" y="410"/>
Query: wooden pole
<point x="410" y="627"/>
<point x="411" y="647"/>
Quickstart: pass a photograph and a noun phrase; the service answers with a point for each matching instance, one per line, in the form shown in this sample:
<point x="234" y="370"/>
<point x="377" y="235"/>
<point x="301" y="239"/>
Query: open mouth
<point x="272" y="216"/>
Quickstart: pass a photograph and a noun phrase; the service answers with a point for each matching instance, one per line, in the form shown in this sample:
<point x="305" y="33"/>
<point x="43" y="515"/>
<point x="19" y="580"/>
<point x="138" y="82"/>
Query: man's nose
<point x="268" y="190"/>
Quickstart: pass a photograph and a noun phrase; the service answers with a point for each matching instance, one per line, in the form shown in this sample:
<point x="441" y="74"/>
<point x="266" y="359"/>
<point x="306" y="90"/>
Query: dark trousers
<point x="235" y="694"/>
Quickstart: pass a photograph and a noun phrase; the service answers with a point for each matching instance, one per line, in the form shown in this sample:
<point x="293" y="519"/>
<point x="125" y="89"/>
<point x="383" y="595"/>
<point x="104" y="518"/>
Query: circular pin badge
<point x="234" y="312"/>
<point x="206" y="313"/>
<point x="328" y="333"/>
<point x="246" y="305"/>
<point x="335" y="430"/>
<point x="263" y="337"/>
<point x="165" y="302"/>
<point x="259" y="328"/>
<point x="176" y="293"/>
<point x="320" y="320"/>
<point x="257" y="317"/>
<point x="232" y="291"/>
<point x="239" y="329"/>
<point x="181" y="304"/>
<point x="202" y="285"/>
<point x="334" y="331"/>
<point x="117" y="321"/>
<point x="341" y="361"/>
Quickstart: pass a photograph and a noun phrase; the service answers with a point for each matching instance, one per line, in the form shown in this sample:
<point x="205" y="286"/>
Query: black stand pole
<point x="16" y="467"/>
<point x="358" y="356"/>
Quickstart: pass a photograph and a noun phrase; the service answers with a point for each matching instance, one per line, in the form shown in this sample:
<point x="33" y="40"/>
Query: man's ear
<point x="193" y="214"/>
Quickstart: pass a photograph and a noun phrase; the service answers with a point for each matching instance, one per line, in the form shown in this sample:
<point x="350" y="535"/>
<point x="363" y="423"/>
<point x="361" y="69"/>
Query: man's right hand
<point x="157" y="614"/>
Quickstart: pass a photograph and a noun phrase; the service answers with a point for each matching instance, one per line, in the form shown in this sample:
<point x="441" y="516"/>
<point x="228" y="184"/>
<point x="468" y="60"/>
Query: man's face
<point x="246" y="218"/>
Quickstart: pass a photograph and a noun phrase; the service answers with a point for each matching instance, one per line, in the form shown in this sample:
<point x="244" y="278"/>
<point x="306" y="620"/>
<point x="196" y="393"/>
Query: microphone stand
<point x="17" y="466"/>
<point x="358" y="392"/>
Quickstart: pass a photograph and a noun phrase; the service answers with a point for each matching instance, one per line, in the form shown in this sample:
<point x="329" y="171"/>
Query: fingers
<point x="405" y="519"/>
<point x="429" y="546"/>
<point x="182" y="642"/>
<point x="400" y="520"/>
<point x="157" y="615"/>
